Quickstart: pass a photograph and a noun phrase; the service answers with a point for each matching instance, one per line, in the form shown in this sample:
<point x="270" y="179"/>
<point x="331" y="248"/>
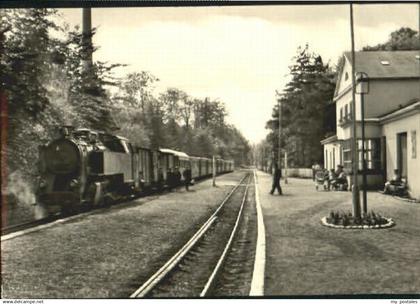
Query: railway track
<point x="28" y="225"/>
<point x="215" y="253"/>
<point x="80" y="211"/>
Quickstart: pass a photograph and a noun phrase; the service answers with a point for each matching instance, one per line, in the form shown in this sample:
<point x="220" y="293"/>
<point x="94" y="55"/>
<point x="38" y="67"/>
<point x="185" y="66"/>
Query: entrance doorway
<point x="402" y="153"/>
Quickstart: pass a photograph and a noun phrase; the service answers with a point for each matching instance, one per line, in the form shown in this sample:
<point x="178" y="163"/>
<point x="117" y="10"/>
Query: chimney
<point x="87" y="39"/>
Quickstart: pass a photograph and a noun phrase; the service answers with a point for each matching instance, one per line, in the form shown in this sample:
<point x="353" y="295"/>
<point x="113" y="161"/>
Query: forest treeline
<point x="47" y="81"/>
<point x="307" y="111"/>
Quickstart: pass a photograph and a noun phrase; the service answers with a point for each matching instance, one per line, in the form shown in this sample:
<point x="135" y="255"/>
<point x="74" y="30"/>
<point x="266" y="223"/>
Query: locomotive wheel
<point x="90" y="195"/>
<point x="67" y="210"/>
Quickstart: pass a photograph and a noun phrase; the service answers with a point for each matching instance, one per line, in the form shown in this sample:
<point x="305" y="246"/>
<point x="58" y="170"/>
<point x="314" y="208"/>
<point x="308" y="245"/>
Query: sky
<point x="239" y="54"/>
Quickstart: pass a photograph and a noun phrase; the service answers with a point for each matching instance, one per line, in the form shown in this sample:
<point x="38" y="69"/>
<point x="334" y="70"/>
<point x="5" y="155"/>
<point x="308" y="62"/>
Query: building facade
<point x="392" y="117"/>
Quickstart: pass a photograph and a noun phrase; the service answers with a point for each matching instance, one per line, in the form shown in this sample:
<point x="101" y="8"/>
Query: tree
<point x="400" y="40"/>
<point x="25" y="60"/>
<point x="262" y="155"/>
<point x="303" y="100"/>
<point x="209" y="113"/>
<point x="186" y="110"/>
<point x="171" y="100"/>
<point x="87" y="92"/>
<point x="155" y="124"/>
<point x="203" y="143"/>
<point x="25" y="67"/>
<point x="137" y="89"/>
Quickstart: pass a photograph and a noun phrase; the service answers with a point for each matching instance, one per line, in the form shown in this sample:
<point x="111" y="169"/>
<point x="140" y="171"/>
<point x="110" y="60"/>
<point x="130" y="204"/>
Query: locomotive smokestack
<point x="87" y="39"/>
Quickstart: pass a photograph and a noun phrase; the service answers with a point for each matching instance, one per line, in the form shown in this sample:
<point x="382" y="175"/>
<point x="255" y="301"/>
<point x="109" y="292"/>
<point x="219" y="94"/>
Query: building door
<point x="402" y="153"/>
<point x="383" y="158"/>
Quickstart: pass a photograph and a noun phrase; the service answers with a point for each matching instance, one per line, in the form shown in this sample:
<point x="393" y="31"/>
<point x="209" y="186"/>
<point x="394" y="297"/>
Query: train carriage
<point x="163" y="159"/>
<point x="180" y="160"/>
<point x="143" y="168"/>
<point x="218" y="166"/>
<point x="204" y="167"/>
<point x="231" y="165"/>
<point x="195" y="167"/>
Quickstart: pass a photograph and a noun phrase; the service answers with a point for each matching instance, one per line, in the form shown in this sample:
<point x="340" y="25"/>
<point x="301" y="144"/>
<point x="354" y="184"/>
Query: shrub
<point x="347" y="219"/>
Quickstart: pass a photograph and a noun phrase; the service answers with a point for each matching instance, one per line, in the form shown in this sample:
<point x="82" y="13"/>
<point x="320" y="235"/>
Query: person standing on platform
<point x="170" y="178"/>
<point x="276" y="180"/>
<point x="177" y="175"/>
<point x="187" y="177"/>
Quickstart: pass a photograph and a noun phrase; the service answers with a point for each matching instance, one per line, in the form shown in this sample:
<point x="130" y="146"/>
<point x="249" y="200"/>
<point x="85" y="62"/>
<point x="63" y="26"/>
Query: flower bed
<point x="344" y="220"/>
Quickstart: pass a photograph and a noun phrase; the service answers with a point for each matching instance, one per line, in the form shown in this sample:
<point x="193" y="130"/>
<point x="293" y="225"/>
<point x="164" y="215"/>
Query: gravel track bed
<point x="236" y="274"/>
<point x="190" y="276"/>
<point x="107" y="254"/>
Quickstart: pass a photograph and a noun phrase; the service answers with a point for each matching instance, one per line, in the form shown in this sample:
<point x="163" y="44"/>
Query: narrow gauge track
<point x="194" y="270"/>
<point x="27" y="225"/>
<point x="61" y="216"/>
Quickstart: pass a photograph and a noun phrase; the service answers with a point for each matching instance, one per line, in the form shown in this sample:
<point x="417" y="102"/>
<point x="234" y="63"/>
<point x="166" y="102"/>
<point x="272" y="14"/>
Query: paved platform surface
<point x="306" y="258"/>
<point x="109" y="253"/>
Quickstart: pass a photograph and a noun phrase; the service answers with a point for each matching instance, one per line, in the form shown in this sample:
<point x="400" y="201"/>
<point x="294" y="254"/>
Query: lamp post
<point x="355" y="189"/>
<point x="87" y="38"/>
<point x="362" y="88"/>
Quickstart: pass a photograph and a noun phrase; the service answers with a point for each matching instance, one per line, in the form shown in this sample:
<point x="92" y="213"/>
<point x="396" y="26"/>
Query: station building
<point x="392" y="118"/>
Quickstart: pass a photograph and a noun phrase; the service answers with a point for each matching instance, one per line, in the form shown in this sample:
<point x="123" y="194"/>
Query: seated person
<point x="392" y="183"/>
<point x="331" y="177"/>
<point x="341" y="177"/>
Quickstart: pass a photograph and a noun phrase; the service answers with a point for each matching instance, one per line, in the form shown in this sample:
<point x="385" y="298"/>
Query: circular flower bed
<point x="345" y="220"/>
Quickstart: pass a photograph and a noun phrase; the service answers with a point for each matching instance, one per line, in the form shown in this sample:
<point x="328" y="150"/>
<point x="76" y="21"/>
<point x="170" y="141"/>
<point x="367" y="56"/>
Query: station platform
<point x="305" y="258"/>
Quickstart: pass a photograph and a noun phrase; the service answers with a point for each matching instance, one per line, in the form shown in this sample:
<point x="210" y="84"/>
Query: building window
<point x="341" y="114"/>
<point x="372" y="154"/>
<point x="347" y="154"/>
<point x="346" y="111"/>
<point x="346" y="76"/>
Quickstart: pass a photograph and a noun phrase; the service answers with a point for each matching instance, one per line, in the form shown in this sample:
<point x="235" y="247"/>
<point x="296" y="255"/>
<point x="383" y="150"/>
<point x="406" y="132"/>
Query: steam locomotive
<point x="90" y="168"/>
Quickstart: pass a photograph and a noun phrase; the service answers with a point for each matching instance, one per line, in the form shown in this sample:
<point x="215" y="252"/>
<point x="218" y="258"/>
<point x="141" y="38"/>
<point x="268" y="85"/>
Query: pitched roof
<point x="387" y="64"/>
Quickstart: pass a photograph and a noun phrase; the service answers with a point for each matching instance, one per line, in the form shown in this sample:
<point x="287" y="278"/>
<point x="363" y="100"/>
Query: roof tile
<point x="401" y="63"/>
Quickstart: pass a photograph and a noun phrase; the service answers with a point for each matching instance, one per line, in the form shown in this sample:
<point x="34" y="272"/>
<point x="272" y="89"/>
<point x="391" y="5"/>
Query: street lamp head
<point x="362" y="83"/>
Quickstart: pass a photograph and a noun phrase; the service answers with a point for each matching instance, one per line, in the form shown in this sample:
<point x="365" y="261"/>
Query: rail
<point x="158" y="276"/>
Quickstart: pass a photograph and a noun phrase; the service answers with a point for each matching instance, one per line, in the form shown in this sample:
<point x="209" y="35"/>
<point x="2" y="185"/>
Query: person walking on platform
<point x="276" y="180"/>
<point x="187" y="177"/>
